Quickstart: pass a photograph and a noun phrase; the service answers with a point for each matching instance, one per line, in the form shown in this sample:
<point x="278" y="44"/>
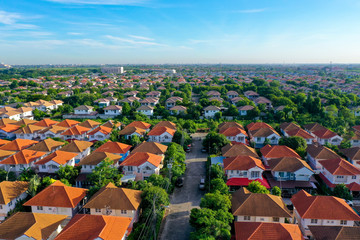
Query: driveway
<point x="176" y="224"/>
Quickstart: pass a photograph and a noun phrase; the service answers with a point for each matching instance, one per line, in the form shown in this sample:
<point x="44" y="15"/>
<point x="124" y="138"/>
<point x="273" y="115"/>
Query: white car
<point x="202" y="184"/>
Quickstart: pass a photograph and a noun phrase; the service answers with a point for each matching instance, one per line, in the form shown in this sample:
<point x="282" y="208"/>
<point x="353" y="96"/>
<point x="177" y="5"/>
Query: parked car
<point x="179" y="182"/>
<point x="202" y="184"/>
<point x="203" y="150"/>
<point x="349" y="202"/>
<point x="187" y="149"/>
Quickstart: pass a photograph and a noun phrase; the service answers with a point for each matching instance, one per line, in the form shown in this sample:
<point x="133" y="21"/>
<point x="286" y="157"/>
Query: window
<point x="39" y="208"/>
<point x="43" y="166"/>
<point x="10" y="203"/>
<point x="1" y="207"/>
<point x="281" y="174"/>
<point x="353" y="177"/>
<point x="314" y="221"/>
<point x="339" y="176"/>
<point x="255" y="174"/>
<point x="97" y="210"/>
<point x="123" y="211"/>
<point x="247" y="218"/>
<point x="276" y="219"/>
<point x="343" y="222"/>
<point x="130" y="168"/>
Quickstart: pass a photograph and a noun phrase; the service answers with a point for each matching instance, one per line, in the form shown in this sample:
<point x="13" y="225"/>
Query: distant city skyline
<point x="179" y="32"/>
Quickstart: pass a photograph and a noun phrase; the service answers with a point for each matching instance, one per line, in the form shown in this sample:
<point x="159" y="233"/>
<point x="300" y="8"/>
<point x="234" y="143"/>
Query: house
<point x="113" y="201"/>
<point x="235" y="100"/>
<point x="260" y="132"/>
<point x="89" y="124"/>
<point x="327" y="136"/>
<point x="10" y="193"/>
<point x="112" y="124"/>
<point x="32" y="226"/>
<point x="321" y="211"/>
<point x="113" y="110"/>
<point x="263" y="100"/>
<point x="83" y="110"/>
<point x="352" y="155"/>
<point x="355" y="140"/>
<point x="140" y="124"/>
<point x="82" y="148"/>
<point x="102" y="102"/>
<point x="238" y="150"/>
<point x="25" y="122"/>
<point x="130" y="100"/>
<point x="99" y="134"/>
<point x="21" y="160"/>
<point x="151" y="147"/>
<point x="117" y="148"/>
<point x="97" y="227"/>
<point x="149" y="101"/>
<point x="141" y="165"/>
<point x="225" y="125"/>
<point x="154" y="94"/>
<point x="129" y="132"/>
<point x="213" y="94"/>
<point x="288" y="126"/>
<point x="131" y="94"/>
<point x="89" y="163"/>
<point x="28" y="132"/>
<point x="267" y="230"/>
<point x="25" y="112"/>
<point x="46" y="122"/>
<point x="310" y="139"/>
<point x="210" y="111"/>
<point x="5" y="121"/>
<point x="242" y="170"/>
<point x="53" y="131"/>
<point x="258" y="207"/>
<point x="334" y="232"/>
<point x="234" y="134"/>
<point x="167" y="124"/>
<point x="52" y="162"/>
<point x="18" y="145"/>
<point x="8" y="131"/>
<point x="48" y="145"/>
<point x="244" y="110"/>
<point x="161" y="134"/>
<point x="146" y="110"/>
<point x="251" y="95"/>
<point x="232" y="94"/>
<point x="75" y="133"/>
<point x="316" y="153"/>
<point x="171" y="102"/>
<point x="219" y="99"/>
<point x="67" y="123"/>
<point x="270" y="152"/>
<point x="290" y="174"/>
<point x="176" y="110"/>
<point x="58" y="199"/>
<point x="337" y="171"/>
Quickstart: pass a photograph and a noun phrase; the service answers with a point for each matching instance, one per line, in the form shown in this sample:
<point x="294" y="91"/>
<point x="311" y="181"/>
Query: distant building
<point x="112" y="70"/>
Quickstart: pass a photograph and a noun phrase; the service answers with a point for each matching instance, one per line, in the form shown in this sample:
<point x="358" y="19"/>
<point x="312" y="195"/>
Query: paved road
<point x="176" y="224"/>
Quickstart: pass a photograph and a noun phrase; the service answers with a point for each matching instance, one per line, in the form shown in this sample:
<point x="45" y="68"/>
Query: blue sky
<point x="196" y="31"/>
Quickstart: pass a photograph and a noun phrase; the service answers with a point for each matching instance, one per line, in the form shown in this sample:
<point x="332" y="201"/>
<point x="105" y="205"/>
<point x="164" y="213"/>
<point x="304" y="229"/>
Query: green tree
<point x="218" y="184"/>
<point x="105" y="173"/>
<point x="293" y="142"/>
<point x="341" y="191"/>
<point x="3" y="173"/>
<point x="135" y="140"/>
<point x="216" y="201"/>
<point x="69" y="173"/>
<point x="126" y="109"/>
<point x="256" y="187"/>
<point x="214" y="142"/>
<point x="34" y="184"/>
<point x="232" y="111"/>
<point x="155" y="194"/>
<point x="216" y="171"/>
<point x="276" y="191"/>
<point x="26" y="174"/>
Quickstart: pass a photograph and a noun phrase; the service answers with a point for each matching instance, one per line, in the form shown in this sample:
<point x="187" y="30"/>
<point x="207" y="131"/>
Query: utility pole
<point x="154" y="224"/>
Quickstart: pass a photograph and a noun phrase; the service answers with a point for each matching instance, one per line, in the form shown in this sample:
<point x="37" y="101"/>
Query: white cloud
<point x="74" y="33"/>
<point x="258" y="10"/>
<point x="141" y="37"/>
<point x="12" y="20"/>
<point x="101" y="2"/>
<point x="133" y="42"/>
<point x="9" y="18"/>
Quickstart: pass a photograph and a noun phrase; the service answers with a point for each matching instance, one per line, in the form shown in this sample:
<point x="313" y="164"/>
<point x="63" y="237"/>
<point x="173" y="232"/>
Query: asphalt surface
<point x="176" y="224"/>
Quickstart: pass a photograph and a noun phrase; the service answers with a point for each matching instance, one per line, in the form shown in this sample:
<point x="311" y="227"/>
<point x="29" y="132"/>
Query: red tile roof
<point x="157" y="131"/>
<point x="18" y="144"/>
<point x="339" y="166"/>
<point x="114" y="147"/>
<point x="139" y="158"/>
<point x="277" y="151"/>
<point x="242" y="163"/>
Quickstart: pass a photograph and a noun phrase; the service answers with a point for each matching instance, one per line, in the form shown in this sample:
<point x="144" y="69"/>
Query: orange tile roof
<point x="32" y="225"/>
<point x="151" y="147"/>
<point x="67" y="123"/>
<point x="47" y="145"/>
<point x="47" y="122"/>
<point x="131" y="130"/>
<point x="76" y="146"/>
<point x="278" y="151"/>
<point x="11" y="190"/>
<point x="84" y="226"/>
<point x="321" y="152"/>
<point x="58" y="156"/>
<point x="300" y="133"/>
<point x="139" y="158"/>
<point x="96" y="157"/>
<point x="238" y="150"/>
<point x="23" y="157"/>
<point x="157" y="131"/>
<point x="3" y="142"/>
<point x="18" y="144"/>
<point x="232" y="131"/>
<point x="102" y="129"/>
<point x="324" y="134"/>
<point x="54" y="129"/>
<point x="76" y="130"/>
<point x="256" y="125"/>
<point x="322" y="207"/>
<point x="114" y="147"/>
<point x="58" y="195"/>
<point x="139" y="124"/>
<point x="225" y="125"/>
<point x="25" y="122"/>
<point x="167" y="124"/>
<point x="89" y="124"/>
<point x="29" y="129"/>
<point x="267" y="230"/>
<point x="5" y="121"/>
<point x="287" y="127"/>
<point x="339" y="166"/>
<point x="242" y="163"/>
<point x="9" y="128"/>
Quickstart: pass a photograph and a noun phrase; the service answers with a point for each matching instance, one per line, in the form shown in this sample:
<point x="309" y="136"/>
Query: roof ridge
<point x="256" y="229"/>
<point x="67" y="194"/>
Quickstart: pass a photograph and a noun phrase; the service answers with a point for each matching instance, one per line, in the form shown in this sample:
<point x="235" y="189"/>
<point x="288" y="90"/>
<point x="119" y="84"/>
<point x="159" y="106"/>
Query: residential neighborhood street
<point x="176" y="224"/>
